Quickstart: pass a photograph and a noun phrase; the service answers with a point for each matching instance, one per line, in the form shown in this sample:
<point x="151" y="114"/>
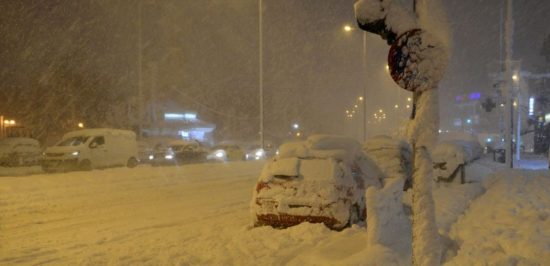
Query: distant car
<point x="19" y="152"/>
<point x="145" y="152"/>
<point x="322" y="180"/>
<point x="226" y="153"/>
<point x="179" y="152"/>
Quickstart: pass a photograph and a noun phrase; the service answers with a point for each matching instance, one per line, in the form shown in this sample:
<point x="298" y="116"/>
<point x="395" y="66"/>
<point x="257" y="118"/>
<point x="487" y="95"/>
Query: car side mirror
<point x="93" y="145"/>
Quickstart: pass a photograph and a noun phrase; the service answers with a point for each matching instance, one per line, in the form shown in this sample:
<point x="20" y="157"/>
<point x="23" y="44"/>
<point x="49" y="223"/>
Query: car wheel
<point x="132" y="162"/>
<point x="85" y="165"/>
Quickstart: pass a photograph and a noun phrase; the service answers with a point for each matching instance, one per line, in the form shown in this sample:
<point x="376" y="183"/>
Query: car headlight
<point x="151" y="157"/>
<point x="75" y="153"/>
<point x="220" y="154"/>
<point x="169" y="156"/>
<point x="259" y="153"/>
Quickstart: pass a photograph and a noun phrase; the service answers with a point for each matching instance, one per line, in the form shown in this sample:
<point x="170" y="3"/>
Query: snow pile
<point x="388" y="227"/>
<point x="392" y="156"/>
<point x="509" y="224"/>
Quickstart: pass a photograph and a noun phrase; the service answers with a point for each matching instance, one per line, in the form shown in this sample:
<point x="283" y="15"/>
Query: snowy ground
<point x="199" y="214"/>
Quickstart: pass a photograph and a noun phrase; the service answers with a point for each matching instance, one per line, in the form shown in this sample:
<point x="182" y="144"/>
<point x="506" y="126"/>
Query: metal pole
<point x="365" y="86"/>
<point x="140" y="85"/>
<point x="260" y="22"/>
<point x="508" y="119"/>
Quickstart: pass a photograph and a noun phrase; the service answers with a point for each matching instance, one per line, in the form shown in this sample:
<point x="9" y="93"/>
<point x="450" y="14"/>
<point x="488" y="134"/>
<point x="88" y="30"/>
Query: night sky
<point x="63" y="60"/>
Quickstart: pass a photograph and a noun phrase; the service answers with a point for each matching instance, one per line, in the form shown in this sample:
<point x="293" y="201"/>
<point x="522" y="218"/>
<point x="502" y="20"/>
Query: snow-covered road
<point x="120" y="216"/>
<point x="199" y="214"/>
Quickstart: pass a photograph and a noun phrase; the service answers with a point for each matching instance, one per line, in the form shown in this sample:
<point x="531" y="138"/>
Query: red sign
<point x="403" y="59"/>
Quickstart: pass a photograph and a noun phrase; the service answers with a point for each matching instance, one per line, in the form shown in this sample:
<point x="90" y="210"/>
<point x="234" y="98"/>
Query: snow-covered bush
<point x="392" y="156"/>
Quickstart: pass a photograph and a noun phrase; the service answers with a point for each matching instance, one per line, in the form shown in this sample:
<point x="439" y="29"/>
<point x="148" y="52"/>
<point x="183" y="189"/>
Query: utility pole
<point x="261" y="70"/>
<point x="508" y="114"/>
<point x="140" y="83"/>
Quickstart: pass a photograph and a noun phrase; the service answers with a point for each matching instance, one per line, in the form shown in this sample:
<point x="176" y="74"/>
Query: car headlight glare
<point x="151" y="157"/>
<point x="169" y="157"/>
<point x="220" y="154"/>
<point x="75" y="153"/>
<point x="259" y="153"/>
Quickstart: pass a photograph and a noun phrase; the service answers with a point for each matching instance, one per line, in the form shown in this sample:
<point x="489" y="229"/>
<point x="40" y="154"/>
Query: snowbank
<point x="509" y="224"/>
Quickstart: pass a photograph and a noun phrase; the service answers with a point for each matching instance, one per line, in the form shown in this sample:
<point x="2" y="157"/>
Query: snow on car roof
<point x="13" y="141"/>
<point x="99" y="131"/>
<point x="322" y="146"/>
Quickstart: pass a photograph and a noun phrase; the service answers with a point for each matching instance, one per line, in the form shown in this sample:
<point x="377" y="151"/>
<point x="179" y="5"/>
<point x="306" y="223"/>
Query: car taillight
<point x="261" y="186"/>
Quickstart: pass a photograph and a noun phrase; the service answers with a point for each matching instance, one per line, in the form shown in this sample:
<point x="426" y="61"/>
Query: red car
<point x="322" y="180"/>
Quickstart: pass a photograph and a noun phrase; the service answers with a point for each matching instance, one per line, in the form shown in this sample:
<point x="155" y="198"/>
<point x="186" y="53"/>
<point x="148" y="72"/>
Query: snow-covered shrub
<point x="392" y="156"/>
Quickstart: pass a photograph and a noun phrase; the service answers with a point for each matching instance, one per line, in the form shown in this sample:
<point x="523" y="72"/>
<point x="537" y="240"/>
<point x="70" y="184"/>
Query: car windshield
<point x="74" y="141"/>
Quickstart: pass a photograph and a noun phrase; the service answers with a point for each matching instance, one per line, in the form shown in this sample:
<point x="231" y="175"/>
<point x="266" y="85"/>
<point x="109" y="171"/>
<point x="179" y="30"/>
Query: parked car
<point x="321" y="180"/>
<point x="19" y="152"/>
<point x="450" y="157"/>
<point x="179" y="152"/>
<point x="226" y="153"/>
<point x="145" y="152"/>
<point x="92" y="148"/>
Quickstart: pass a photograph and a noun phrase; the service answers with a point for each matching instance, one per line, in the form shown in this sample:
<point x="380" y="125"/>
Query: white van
<point x="92" y="148"/>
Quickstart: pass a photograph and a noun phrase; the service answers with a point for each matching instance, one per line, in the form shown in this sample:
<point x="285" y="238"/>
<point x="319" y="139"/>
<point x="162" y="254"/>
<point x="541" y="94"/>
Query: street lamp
<point x="348" y="28"/>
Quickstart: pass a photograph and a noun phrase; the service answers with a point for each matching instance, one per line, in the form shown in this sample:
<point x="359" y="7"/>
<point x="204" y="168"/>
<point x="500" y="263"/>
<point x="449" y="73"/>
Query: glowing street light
<point x="81" y="125"/>
<point x="296" y="126"/>
<point x="347" y="28"/>
<point x="360" y="98"/>
<point x="515" y="77"/>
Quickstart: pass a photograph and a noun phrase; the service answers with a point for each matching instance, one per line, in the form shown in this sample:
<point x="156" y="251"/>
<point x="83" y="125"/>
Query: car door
<point x="98" y="152"/>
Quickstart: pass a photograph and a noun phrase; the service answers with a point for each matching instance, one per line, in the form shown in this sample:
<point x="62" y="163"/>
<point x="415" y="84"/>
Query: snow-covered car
<point x="179" y="152"/>
<point x="226" y="153"/>
<point x="450" y="157"/>
<point x="392" y="156"/>
<point x="321" y="180"/>
<point x="19" y="151"/>
<point x="87" y="149"/>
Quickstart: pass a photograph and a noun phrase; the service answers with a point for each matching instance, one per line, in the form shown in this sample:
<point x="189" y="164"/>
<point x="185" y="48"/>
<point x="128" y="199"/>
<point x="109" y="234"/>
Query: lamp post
<point x="348" y="28"/>
<point x="261" y="85"/>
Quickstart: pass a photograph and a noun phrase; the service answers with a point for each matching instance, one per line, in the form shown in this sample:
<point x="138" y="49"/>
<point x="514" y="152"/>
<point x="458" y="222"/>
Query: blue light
<point x="469" y="121"/>
<point x="475" y="96"/>
<point x="489" y="140"/>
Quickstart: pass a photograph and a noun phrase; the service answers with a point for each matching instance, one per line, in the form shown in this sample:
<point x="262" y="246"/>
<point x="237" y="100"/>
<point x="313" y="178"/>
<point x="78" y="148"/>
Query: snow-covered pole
<point x="417" y="61"/>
